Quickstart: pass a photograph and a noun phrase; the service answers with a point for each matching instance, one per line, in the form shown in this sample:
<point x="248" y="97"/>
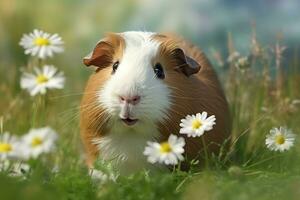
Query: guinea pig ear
<point x="104" y="52"/>
<point x="187" y="65"/>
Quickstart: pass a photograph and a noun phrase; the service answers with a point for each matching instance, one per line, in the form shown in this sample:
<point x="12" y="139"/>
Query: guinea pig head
<point x="137" y="65"/>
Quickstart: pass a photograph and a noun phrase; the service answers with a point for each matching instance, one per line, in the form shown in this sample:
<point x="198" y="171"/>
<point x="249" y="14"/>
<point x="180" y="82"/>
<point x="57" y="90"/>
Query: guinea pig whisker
<point x="180" y="107"/>
<point x="175" y="88"/>
<point x="73" y="112"/>
<point x="183" y="97"/>
<point x="71" y="94"/>
<point x="164" y="124"/>
<point x="84" y="108"/>
<point x="154" y="87"/>
<point x="70" y="119"/>
<point x="77" y="108"/>
<point x="178" y="66"/>
<point x="98" y="115"/>
<point x="68" y="111"/>
<point x="174" y="112"/>
<point x="154" y="76"/>
<point x="103" y="121"/>
<point x="145" y="105"/>
<point x="81" y="107"/>
<point x="75" y="115"/>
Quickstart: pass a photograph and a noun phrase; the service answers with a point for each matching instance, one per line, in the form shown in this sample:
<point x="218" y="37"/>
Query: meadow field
<point x="261" y="83"/>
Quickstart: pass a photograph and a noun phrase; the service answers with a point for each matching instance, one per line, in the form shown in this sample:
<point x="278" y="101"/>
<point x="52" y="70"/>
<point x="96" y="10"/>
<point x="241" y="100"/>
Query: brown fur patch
<point x="107" y="51"/>
<point x="170" y="51"/>
<point x="190" y="95"/>
<point x="93" y="116"/>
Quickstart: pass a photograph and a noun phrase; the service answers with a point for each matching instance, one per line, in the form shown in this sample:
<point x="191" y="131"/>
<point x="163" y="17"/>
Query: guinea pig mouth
<point x="129" y="122"/>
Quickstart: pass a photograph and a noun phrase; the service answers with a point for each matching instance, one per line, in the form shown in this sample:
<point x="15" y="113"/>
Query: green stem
<point x="280" y="160"/>
<point x="38" y="108"/>
<point x="40" y="62"/>
<point x="34" y="112"/>
<point x="1" y="124"/>
<point x="262" y="161"/>
<point x="205" y="152"/>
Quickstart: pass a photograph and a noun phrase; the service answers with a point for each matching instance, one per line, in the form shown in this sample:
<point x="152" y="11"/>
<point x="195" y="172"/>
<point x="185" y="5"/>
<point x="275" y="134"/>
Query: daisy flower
<point x="19" y="169"/>
<point x="41" y="80"/>
<point x="8" y="146"/>
<point x="242" y="63"/>
<point x="280" y="139"/>
<point x="41" y="44"/>
<point x="14" y="169"/>
<point x="196" y="125"/>
<point x="98" y="175"/>
<point x="39" y="141"/>
<point x="102" y="177"/>
<point x="169" y="152"/>
<point x="233" y="56"/>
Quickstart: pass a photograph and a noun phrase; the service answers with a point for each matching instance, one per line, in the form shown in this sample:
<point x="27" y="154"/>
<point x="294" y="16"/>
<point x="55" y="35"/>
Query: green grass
<point x="258" y="102"/>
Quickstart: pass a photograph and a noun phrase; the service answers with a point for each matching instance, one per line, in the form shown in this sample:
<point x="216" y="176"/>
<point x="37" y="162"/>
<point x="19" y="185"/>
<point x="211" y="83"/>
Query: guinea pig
<point x="144" y="84"/>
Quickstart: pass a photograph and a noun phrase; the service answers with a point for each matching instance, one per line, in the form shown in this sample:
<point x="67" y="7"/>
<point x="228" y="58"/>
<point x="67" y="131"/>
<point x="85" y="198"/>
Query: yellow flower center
<point x="40" y="79"/>
<point x="165" y="147"/>
<point x="196" y="124"/>
<point x="280" y="139"/>
<point x="41" y="41"/>
<point x="36" y="141"/>
<point x="4" y="147"/>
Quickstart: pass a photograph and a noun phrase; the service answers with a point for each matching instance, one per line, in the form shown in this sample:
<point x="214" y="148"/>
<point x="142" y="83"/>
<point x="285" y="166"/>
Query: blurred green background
<point x="83" y="22"/>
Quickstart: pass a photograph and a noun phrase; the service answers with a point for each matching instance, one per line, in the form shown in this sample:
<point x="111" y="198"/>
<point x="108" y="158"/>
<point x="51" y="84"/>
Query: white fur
<point x="134" y="76"/>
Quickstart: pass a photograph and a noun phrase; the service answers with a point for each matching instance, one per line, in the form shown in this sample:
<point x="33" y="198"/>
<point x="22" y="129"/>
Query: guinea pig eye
<point x="159" y="71"/>
<point x="115" y="66"/>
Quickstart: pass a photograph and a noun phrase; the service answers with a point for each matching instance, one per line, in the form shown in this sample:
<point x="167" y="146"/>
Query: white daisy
<point x="41" y="44"/>
<point x="233" y="56"/>
<point x="280" y="139"/>
<point x="169" y="152"/>
<point x="9" y="146"/>
<point x="41" y="80"/>
<point x="39" y="141"/>
<point x="19" y="169"/>
<point x="196" y="125"/>
<point x="242" y="63"/>
<point x="14" y="169"/>
<point x="98" y="175"/>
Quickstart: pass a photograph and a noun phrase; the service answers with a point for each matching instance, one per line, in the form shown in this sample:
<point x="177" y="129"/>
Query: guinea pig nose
<point x="130" y="99"/>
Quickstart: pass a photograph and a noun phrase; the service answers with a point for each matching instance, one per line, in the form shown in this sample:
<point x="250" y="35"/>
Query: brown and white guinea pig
<point x="143" y="85"/>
